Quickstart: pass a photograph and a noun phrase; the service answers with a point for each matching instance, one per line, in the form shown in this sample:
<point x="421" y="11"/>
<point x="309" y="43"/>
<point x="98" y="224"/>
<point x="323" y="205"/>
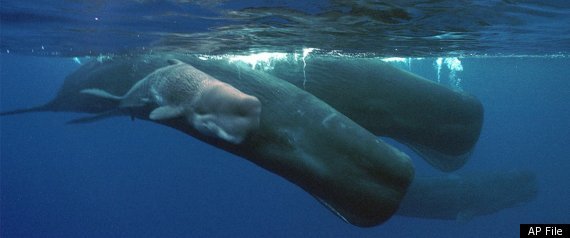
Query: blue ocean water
<point x="123" y="178"/>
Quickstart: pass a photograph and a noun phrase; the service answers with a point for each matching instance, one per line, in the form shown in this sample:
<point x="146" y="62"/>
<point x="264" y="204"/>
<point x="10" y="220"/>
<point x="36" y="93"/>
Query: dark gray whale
<point x="440" y="124"/>
<point x="303" y="139"/>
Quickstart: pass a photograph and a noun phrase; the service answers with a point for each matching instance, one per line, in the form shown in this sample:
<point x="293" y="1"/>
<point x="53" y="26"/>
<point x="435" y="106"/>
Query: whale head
<point x="222" y="111"/>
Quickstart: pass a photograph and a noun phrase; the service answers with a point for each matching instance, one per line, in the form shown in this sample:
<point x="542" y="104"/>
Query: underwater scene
<point x="179" y="118"/>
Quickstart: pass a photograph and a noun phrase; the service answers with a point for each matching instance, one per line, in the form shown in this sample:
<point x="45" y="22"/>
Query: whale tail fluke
<point x="101" y="93"/>
<point x="41" y="108"/>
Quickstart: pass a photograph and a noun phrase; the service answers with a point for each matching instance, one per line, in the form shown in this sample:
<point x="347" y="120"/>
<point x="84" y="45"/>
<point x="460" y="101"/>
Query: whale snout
<point x="225" y="112"/>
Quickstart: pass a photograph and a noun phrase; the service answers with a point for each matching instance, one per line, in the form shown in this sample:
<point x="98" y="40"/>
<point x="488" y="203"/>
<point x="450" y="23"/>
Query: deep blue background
<point x="118" y="178"/>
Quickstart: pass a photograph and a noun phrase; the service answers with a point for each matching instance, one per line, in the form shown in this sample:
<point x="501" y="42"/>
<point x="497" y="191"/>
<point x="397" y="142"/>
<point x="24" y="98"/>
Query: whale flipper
<point x="165" y="112"/>
<point x="101" y="93"/>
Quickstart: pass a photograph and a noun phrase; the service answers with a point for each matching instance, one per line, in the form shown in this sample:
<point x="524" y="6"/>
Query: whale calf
<point x="211" y="106"/>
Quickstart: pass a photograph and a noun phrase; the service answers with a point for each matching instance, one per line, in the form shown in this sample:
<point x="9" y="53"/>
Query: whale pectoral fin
<point x="165" y="112"/>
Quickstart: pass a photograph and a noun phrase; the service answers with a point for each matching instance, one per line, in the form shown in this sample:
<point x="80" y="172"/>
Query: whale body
<point x="300" y="137"/>
<point x="440" y="124"/>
